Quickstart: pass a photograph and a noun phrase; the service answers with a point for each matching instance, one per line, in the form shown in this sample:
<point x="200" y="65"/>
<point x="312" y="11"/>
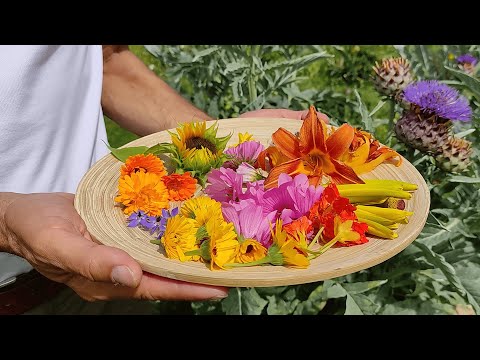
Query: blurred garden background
<point x="440" y="272"/>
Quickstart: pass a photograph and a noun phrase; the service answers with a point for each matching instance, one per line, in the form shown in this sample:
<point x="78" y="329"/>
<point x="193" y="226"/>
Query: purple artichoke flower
<point x="435" y="98"/>
<point x="467" y="59"/>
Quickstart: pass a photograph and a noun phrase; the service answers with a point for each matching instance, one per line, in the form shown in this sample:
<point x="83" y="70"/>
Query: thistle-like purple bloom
<point x="435" y="98"/>
<point x="224" y="185"/>
<point x="467" y="59"/>
<point x="247" y="152"/>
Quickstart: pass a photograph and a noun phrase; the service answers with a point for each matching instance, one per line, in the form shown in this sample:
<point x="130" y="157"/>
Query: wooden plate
<point x="95" y="195"/>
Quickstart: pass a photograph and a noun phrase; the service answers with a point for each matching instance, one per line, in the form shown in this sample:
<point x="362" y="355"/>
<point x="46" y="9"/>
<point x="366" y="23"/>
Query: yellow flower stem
<point x="367" y="200"/>
<point x="374" y="192"/>
<point x="373" y="217"/>
<point x="324" y="247"/>
<point x="315" y="239"/>
<point x="405" y="185"/>
<point x="379" y="230"/>
<point x="389" y="213"/>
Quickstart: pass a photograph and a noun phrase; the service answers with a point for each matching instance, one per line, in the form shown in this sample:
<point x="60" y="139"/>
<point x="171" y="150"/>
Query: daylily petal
<point x="369" y="166"/>
<point x="313" y="133"/>
<point x="287" y="143"/>
<point x="291" y="167"/>
<point x="274" y="156"/>
<point x="339" y="142"/>
<point x="359" y="156"/>
<point x="344" y="174"/>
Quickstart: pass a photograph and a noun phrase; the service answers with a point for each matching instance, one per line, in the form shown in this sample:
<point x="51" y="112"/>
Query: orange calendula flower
<point x="365" y="153"/>
<point x="250" y="250"/>
<point x="143" y="163"/>
<point x="142" y="191"/>
<point x="313" y="153"/>
<point x="180" y="187"/>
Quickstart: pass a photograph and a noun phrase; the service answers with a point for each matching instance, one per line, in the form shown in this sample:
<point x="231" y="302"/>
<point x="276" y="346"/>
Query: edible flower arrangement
<point x="250" y="205"/>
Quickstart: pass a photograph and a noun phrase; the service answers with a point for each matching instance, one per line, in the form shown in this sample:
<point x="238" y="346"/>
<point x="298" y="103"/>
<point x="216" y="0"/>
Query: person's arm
<point x="137" y="99"/>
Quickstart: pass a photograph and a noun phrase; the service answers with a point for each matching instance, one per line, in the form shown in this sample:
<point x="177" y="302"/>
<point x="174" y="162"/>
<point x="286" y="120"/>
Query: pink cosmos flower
<point x="247" y="151"/>
<point x="224" y="185"/>
<point x="249" y="222"/>
<point x="250" y="174"/>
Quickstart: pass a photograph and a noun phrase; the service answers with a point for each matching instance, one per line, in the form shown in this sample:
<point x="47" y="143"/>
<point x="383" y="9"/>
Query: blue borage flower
<point x="154" y="224"/>
<point x="435" y="98"/>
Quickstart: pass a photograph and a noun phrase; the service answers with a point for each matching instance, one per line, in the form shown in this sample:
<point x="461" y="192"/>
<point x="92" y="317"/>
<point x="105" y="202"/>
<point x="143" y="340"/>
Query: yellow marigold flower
<point x="223" y="243"/>
<point x="180" y="237"/>
<point x="180" y="187"/>
<point x="201" y="209"/>
<point x="292" y="253"/>
<point x="142" y="191"/>
<point x="250" y="250"/>
<point x="144" y="163"/>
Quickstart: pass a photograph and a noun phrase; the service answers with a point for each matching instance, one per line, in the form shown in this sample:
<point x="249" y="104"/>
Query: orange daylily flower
<point x="365" y="153"/>
<point x="313" y="153"/>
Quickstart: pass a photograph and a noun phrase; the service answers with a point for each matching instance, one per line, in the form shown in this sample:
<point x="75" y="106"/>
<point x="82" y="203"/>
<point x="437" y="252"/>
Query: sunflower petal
<point x="291" y="167"/>
<point x="339" y="142"/>
<point x="344" y="174"/>
<point x="312" y="133"/>
<point x="287" y="143"/>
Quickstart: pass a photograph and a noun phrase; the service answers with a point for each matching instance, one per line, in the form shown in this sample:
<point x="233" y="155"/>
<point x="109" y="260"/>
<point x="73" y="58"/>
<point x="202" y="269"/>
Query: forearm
<point x="137" y="99"/>
<point x="7" y="238"/>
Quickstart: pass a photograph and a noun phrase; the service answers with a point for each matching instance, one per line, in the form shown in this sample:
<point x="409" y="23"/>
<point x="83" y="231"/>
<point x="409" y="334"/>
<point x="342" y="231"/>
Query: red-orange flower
<point x="332" y="206"/>
<point x="313" y="152"/>
<point x="144" y="163"/>
<point x="303" y="224"/>
<point x="180" y="187"/>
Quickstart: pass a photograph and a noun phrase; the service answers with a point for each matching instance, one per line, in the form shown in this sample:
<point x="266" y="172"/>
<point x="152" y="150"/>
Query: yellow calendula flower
<point x="250" y="250"/>
<point x="201" y="209"/>
<point x="292" y="253"/>
<point x="142" y="191"/>
<point x="223" y="243"/>
<point x="180" y="237"/>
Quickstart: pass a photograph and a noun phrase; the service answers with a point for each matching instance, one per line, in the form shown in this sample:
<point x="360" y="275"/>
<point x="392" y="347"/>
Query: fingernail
<point x="220" y="296"/>
<point x="123" y="275"/>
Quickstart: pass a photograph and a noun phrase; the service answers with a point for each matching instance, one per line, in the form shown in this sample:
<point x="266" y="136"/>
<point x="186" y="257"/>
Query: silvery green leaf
<point x="361" y="287"/>
<point x="366" y="118"/>
<point x="464" y="133"/>
<point x="464" y="179"/>
<point x="470" y="82"/>
<point x="205" y="52"/>
<point x="278" y="306"/>
<point x="243" y="302"/>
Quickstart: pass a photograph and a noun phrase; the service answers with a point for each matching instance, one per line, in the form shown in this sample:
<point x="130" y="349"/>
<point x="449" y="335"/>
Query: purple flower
<point x="136" y="218"/>
<point x="157" y="224"/>
<point x="224" y="185"/>
<point x="247" y="151"/>
<point x="435" y="98"/>
<point x="467" y="59"/>
<point x="249" y="222"/>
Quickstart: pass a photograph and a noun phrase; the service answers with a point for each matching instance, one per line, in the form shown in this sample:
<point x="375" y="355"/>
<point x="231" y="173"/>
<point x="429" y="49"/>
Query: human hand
<point x="281" y="113"/>
<point x="47" y="231"/>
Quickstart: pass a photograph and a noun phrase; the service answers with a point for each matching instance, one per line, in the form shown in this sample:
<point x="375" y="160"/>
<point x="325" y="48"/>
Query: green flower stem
<point x="262" y="261"/>
<point x="392" y="114"/>
<point x="194" y="252"/>
<point x="156" y="242"/>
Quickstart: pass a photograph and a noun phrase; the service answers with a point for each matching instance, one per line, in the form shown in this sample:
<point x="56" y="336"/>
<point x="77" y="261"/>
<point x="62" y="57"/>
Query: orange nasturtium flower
<point x="365" y="153"/>
<point x="180" y="186"/>
<point x="313" y="153"/>
<point x="144" y="163"/>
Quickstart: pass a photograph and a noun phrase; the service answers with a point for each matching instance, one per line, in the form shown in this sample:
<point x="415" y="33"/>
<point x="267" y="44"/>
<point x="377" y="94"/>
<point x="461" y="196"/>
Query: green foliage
<point x="440" y="272"/>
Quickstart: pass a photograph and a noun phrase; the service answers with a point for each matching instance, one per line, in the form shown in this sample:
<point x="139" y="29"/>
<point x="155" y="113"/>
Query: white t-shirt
<point x="51" y="122"/>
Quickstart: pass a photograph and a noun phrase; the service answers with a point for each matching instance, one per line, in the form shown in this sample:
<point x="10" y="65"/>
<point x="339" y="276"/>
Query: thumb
<point x="98" y="262"/>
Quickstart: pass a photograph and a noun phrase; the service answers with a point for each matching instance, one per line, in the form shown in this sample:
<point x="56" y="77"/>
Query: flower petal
<point x="344" y="174"/>
<point x="312" y="133"/>
<point x="291" y="167"/>
<point x="287" y="143"/>
<point x="339" y="142"/>
<point x="369" y="166"/>
<point x="359" y="156"/>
